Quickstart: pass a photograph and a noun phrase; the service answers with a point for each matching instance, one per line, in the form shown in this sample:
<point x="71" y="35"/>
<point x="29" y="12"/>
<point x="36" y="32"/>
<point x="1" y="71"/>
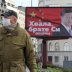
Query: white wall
<point x="0" y="1"/>
<point x="21" y="19"/>
<point x="11" y="1"/>
<point x="57" y="3"/>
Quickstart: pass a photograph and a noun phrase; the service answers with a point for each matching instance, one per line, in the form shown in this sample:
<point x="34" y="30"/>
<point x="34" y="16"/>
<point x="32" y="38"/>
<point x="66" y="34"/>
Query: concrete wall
<point x="61" y="56"/>
<point x="55" y="3"/>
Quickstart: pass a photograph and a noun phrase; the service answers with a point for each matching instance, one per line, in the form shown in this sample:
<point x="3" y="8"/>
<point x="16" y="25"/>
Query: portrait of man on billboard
<point x="66" y="23"/>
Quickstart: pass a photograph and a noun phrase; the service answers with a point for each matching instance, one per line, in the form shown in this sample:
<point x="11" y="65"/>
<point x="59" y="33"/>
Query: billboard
<point x="48" y="21"/>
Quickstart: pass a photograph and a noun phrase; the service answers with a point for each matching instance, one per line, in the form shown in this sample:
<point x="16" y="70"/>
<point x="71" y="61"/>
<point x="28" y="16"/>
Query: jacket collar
<point x="9" y="32"/>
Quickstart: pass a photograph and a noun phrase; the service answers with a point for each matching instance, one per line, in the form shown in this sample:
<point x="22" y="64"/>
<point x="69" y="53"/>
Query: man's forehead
<point x="7" y="17"/>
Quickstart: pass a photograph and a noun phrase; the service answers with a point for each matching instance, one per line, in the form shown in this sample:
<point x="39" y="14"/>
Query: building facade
<point x="55" y="3"/>
<point x="59" y="51"/>
<point x="21" y="8"/>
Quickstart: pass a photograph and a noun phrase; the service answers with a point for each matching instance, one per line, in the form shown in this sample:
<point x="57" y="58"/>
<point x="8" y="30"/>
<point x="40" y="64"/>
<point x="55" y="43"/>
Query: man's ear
<point x="14" y="18"/>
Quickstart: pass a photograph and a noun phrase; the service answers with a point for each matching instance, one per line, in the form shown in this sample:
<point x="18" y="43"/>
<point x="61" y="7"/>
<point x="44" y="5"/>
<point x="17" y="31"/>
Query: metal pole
<point x="31" y="3"/>
<point x="44" y="59"/>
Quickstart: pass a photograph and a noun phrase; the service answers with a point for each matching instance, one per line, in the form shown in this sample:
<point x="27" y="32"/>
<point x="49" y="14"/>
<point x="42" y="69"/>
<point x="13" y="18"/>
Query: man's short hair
<point x="9" y="13"/>
<point x="66" y="10"/>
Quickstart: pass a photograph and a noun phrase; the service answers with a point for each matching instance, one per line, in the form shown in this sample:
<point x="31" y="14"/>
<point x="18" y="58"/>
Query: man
<point x="16" y="50"/>
<point x="66" y="23"/>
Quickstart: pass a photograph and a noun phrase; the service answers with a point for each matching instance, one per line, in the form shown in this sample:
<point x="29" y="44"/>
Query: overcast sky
<point x="26" y="3"/>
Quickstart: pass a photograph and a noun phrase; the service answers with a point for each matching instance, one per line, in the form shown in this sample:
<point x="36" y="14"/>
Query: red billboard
<point x="48" y="21"/>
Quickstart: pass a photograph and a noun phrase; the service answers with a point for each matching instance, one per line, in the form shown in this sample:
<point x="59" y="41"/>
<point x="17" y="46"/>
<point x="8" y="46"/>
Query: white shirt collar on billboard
<point x="67" y="28"/>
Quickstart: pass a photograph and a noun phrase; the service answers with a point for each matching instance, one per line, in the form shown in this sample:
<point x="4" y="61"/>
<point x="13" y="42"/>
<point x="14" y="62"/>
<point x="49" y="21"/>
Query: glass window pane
<point x="65" y="58"/>
<point x="57" y="46"/>
<point x="56" y="59"/>
<point x="66" y="46"/>
<point x="50" y="46"/>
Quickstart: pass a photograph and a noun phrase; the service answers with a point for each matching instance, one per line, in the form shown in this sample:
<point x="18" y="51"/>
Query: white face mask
<point x="6" y="22"/>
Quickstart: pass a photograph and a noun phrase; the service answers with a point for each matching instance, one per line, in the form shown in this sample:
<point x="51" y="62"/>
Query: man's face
<point x="67" y="19"/>
<point x="12" y="19"/>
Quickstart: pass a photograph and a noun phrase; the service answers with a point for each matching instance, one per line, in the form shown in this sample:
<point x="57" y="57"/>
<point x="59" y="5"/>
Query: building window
<point x="2" y="11"/>
<point x="56" y="59"/>
<point x="50" y="59"/>
<point x="50" y="46"/>
<point x="4" y="5"/>
<point x="57" y="47"/>
<point x="3" y="1"/>
<point x="9" y="4"/>
<point x="47" y="6"/>
<point x="65" y="58"/>
<point x="66" y="46"/>
<point x="12" y="5"/>
<point x="1" y="4"/>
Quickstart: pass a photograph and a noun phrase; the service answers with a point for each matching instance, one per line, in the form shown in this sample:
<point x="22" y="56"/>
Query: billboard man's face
<point x="67" y="19"/>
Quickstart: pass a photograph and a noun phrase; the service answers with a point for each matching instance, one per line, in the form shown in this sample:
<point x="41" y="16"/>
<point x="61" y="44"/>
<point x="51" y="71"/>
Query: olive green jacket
<point x="16" y="51"/>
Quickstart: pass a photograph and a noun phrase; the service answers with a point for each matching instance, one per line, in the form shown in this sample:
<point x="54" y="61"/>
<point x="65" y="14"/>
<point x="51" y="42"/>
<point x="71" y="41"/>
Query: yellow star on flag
<point x="33" y="14"/>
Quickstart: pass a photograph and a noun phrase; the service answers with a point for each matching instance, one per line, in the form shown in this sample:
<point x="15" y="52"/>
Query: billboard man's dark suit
<point x="63" y="32"/>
